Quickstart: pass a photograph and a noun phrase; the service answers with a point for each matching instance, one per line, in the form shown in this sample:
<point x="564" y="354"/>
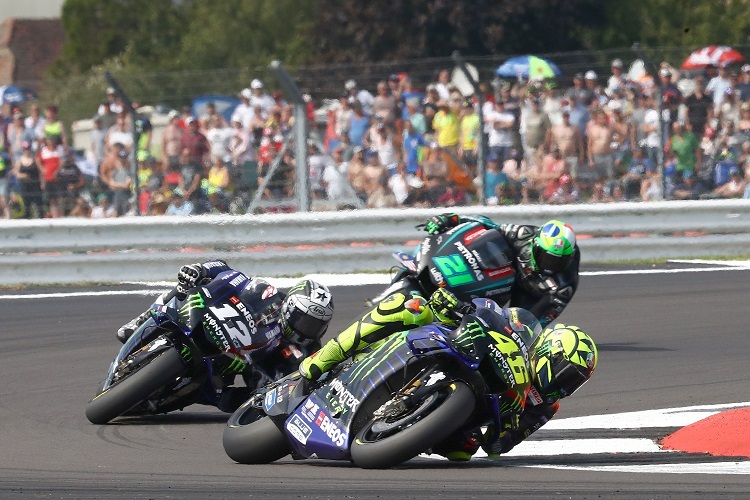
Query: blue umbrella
<point x="11" y="95"/>
<point x="523" y="65"/>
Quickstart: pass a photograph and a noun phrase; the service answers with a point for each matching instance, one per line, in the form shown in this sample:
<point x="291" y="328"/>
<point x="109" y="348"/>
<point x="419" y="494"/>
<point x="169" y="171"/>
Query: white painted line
<point x="669" y="468"/>
<point x="726" y="263"/>
<point x="667" y="417"/>
<point x="664" y="271"/>
<point x="81" y="294"/>
<point x="556" y="447"/>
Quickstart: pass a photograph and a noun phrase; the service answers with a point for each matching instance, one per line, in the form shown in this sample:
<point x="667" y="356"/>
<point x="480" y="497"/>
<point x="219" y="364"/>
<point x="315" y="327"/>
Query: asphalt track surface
<point x="665" y="340"/>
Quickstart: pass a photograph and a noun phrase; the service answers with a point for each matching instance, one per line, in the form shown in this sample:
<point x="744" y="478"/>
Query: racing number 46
<point x="454" y="269"/>
<point x="513" y="356"/>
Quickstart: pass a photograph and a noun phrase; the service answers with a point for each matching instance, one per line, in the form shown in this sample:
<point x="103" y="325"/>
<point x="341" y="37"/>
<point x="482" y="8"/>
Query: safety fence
<point x="132" y="248"/>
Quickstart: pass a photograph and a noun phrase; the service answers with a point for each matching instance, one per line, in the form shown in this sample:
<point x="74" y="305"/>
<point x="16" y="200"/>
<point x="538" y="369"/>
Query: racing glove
<point x="447" y="308"/>
<point x="441" y="223"/>
<point x="190" y="276"/>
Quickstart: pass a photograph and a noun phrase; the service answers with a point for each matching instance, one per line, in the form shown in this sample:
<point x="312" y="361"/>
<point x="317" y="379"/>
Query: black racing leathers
<point x="544" y="296"/>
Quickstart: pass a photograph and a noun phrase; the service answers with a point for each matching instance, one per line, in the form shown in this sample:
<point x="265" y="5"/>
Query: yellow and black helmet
<point x="563" y="359"/>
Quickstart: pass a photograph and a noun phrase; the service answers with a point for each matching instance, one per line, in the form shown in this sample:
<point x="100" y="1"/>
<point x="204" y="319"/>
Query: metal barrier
<point x="151" y="248"/>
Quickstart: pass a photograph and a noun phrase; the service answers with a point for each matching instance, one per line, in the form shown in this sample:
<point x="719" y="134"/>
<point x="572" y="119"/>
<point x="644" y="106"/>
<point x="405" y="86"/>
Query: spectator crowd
<point x="601" y="139"/>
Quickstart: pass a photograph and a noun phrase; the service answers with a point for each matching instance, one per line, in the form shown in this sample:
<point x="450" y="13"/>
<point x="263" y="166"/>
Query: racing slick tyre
<point x="136" y="387"/>
<point x="383" y="443"/>
<point x="251" y="437"/>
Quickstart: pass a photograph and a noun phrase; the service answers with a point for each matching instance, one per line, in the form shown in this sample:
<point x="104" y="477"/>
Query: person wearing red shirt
<point x="49" y="159"/>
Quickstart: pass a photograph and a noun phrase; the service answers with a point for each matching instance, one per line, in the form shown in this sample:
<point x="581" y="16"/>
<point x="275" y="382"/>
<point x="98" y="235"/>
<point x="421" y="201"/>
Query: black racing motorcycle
<point x="183" y="352"/>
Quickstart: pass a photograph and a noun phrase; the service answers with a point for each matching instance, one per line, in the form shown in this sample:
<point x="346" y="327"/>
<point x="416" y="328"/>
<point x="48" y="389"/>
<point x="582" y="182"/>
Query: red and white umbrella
<point x="712" y="55"/>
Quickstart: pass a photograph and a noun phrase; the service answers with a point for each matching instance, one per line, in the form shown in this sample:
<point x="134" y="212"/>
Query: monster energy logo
<point x="374" y="359"/>
<point x="236" y="366"/>
<point x="194" y="301"/>
<point x="299" y="286"/>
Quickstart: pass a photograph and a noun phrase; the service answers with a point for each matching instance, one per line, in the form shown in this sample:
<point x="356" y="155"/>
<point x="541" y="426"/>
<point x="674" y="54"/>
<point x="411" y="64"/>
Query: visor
<point x="306" y="326"/>
<point x="567" y="377"/>
<point x="548" y="263"/>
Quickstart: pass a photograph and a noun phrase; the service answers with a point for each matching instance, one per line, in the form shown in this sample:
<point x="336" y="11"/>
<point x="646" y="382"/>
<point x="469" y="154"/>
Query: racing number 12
<point x="454" y="269"/>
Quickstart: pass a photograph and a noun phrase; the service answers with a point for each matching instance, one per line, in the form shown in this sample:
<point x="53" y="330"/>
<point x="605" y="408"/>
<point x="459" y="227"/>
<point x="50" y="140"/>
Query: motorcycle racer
<point x="563" y="358"/>
<point x="303" y="315"/>
<point x="546" y="258"/>
<point x="510" y="327"/>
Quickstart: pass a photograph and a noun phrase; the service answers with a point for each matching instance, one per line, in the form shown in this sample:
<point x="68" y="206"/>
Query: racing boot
<point x="459" y="446"/>
<point x="126" y="330"/>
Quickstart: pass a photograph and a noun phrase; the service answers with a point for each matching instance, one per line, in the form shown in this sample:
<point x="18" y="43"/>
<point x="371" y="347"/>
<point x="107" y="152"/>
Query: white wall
<point x="25" y="9"/>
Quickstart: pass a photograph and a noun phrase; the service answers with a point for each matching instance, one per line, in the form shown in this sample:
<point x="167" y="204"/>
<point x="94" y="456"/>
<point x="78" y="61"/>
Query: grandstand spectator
<point x="686" y="148"/>
<point x="356" y="173"/>
<point x="414" y="115"/>
<point x="244" y="112"/>
<point x="111" y="105"/>
<point x="567" y="138"/>
<point x="120" y="183"/>
<point x="621" y="135"/>
<point x="316" y="165"/>
<point x="196" y="145"/>
<point x="599" y="150"/>
<point x="49" y="159"/>
<point x="400" y="182"/>
<point x="687" y="186"/>
<point x="470" y="130"/>
<point x="103" y="209"/>
<point x="551" y="169"/>
<point x="501" y="124"/>
<point x="384" y="106"/>
<point x="453" y="196"/>
<point x="210" y="117"/>
<point x="71" y="182"/>
<point x="734" y="188"/>
<point x="334" y="176"/>
<point x="430" y="106"/>
<point x="566" y="193"/>
<point x="219" y="178"/>
<point x="342" y="116"/>
<point x="718" y="86"/>
<point x="535" y="126"/>
<point x="493" y="176"/>
<point x="650" y="128"/>
<point x="35" y="122"/>
<point x="637" y="170"/>
<point x="442" y="84"/>
<point x="434" y="173"/>
<point x="120" y="133"/>
<point x="412" y="143"/>
<point x="743" y="85"/>
<point x="365" y="98"/>
<point x="697" y="105"/>
<point x="617" y="79"/>
<point x="53" y="127"/>
<point x="380" y="140"/>
<point x="381" y="196"/>
<point x="26" y="172"/>
<point x="218" y="136"/>
<point x="373" y="173"/>
<point x="260" y="98"/>
<point x="17" y="134"/>
<point x="579" y="92"/>
<point x="359" y="124"/>
<point x="446" y="125"/>
<point x="179" y="205"/>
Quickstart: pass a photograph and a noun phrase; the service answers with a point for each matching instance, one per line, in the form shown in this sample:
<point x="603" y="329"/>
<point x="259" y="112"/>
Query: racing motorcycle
<point x="469" y="260"/>
<point x="176" y="358"/>
<point x="407" y="394"/>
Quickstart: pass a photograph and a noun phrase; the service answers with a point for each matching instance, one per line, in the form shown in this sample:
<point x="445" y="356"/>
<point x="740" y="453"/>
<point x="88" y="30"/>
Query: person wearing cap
<point x="535" y="126"/>
<point x="718" y="85"/>
<point x="734" y="188"/>
<point x="179" y="205"/>
<point x="16" y="134"/>
<point x="365" y="98"/>
<point x="566" y="193"/>
<point x="244" y="112"/>
<point x="260" y="98"/>
<point x="617" y="79"/>
<point x="470" y="130"/>
<point x="579" y="92"/>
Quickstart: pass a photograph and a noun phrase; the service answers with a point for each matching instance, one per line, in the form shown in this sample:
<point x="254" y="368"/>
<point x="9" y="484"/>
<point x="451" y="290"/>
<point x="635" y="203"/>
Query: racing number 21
<point x="454" y="269"/>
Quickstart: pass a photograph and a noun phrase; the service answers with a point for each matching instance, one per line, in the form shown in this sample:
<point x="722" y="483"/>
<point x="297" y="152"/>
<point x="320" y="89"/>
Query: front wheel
<point x="136" y="387"/>
<point x="251" y="437"/>
<point x="383" y="443"/>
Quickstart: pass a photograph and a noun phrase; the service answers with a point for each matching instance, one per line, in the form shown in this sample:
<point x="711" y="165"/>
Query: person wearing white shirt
<point x="244" y="112"/>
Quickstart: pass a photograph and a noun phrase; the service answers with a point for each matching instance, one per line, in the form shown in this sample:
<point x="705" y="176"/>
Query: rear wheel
<point x="383" y="443"/>
<point x="136" y="387"/>
<point x="251" y="437"/>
